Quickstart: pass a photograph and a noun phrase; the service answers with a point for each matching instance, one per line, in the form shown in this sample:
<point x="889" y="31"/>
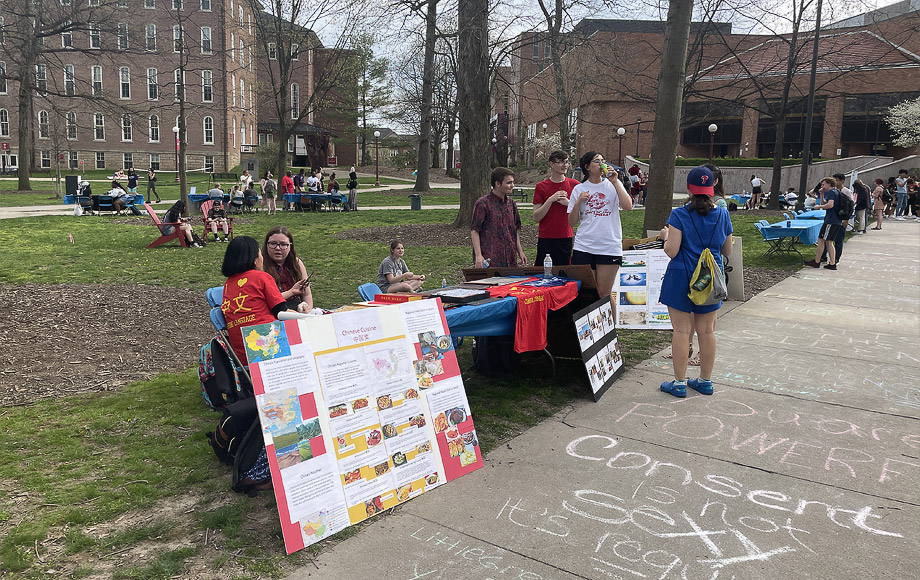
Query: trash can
<point x="415" y="201"/>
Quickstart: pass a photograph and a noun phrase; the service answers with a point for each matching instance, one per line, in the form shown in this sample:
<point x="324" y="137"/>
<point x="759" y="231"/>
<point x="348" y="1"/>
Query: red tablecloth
<point x="533" y="302"/>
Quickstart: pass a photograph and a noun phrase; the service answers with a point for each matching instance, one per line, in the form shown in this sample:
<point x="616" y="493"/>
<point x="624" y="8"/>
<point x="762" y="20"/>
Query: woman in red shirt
<point x="250" y="295"/>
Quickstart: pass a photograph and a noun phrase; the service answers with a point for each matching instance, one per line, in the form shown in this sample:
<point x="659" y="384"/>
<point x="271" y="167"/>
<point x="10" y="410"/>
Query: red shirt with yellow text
<point x="248" y="299"/>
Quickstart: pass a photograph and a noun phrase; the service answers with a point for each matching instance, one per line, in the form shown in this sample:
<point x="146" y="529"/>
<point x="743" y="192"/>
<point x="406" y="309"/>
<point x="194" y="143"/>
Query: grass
<point x="78" y="465"/>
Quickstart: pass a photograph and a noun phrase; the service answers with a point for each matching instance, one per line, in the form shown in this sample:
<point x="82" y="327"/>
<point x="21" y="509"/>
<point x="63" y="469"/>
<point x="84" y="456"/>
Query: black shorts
<point x="757" y="190"/>
<point x="559" y="249"/>
<point x="829" y="231"/>
<point x="593" y="260"/>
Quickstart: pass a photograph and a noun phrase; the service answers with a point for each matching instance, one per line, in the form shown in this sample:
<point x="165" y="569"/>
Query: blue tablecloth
<point x="496" y="318"/>
<point x="815" y="214"/>
<point x="806" y="230"/>
<point x="71" y="200"/>
<point x="740" y="199"/>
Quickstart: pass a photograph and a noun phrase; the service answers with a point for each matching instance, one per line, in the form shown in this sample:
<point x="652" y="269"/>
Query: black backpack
<point x="844" y="206"/>
<point x="222" y="382"/>
<point x="238" y="442"/>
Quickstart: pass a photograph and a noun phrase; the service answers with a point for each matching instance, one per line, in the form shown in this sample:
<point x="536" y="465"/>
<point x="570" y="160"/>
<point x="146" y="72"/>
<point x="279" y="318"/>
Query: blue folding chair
<point x="215" y="296"/>
<point x="106" y="203"/>
<point x="369" y="290"/>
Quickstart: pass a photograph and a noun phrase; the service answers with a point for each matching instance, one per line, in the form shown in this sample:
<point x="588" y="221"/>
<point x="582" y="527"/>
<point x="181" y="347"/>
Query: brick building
<point x="106" y="90"/>
<point x="866" y="64"/>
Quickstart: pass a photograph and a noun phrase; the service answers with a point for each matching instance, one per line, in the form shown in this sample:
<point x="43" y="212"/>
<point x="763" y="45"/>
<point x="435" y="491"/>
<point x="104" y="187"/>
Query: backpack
<point x="844" y="206"/>
<point x="238" y="442"/>
<point x="886" y="196"/>
<point x="707" y="283"/>
<point x="222" y="382"/>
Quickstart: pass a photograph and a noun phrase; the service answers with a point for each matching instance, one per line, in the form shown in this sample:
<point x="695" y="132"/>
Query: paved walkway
<point x="804" y="464"/>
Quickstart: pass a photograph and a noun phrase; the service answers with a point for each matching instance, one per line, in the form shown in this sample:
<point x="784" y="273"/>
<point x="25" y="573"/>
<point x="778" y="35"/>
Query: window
<point x="67" y="35"/>
<point x="242" y="54"/>
<point x="124" y="74"/>
<point x="294" y="51"/>
<point x="127" y="133"/>
<point x="97" y="81"/>
<point x="242" y="94"/>
<point x="41" y="77"/>
<point x="208" y="131"/>
<point x="127" y="160"/>
<point x="179" y="80"/>
<point x="71" y="125"/>
<point x="155" y="161"/>
<point x="177" y="38"/>
<point x="291" y="144"/>
<point x="65" y="2"/>
<point x="100" y="159"/>
<point x="69" y="83"/>
<point x="270" y="137"/>
<point x="233" y="135"/>
<point x="1" y="30"/>
<point x="150" y="33"/>
<point x="232" y="47"/>
<point x="232" y="90"/>
<point x="261" y="139"/>
<point x="205" y="40"/>
<point x="250" y="97"/>
<point x="122" y="36"/>
<point x="153" y="90"/>
<point x="95" y="36"/>
<point x="209" y="163"/>
<point x="2" y="77"/>
<point x="272" y="52"/>
<point x="295" y="100"/>
<point x="94" y="2"/>
<point x="153" y="129"/>
<point x="249" y="50"/>
<point x="74" y="161"/>
<point x="122" y="3"/>
<point x="177" y="4"/>
<point x="241" y="16"/>
<point x="150" y="4"/>
<point x="207" y="86"/>
<point x="44" y="131"/>
<point x="46" y="159"/>
<point x="4" y="123"/>
<point x="99" y="131"/>
<point x="205" y="5"/>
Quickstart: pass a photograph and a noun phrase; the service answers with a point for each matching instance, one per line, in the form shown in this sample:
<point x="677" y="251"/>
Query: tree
<point x="373" y="87"/>
<point x="667" y="114"/>
<point x="904" y="120"/>
<point x="473" y="96"/>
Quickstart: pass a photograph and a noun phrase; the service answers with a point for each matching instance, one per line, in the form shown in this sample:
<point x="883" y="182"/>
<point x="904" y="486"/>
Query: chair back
<point x="106" y="202"/>
<point x="217" y="319"/>
<point x="787" y="216"/>
<point x="369" y="290"/>
<point x="215" y="296"/>
<point x="206" y="207"/>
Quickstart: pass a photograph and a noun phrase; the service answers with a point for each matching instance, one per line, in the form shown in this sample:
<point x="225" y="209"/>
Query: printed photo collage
<point x="638" y="290"/>
<point x="600" y="349"/>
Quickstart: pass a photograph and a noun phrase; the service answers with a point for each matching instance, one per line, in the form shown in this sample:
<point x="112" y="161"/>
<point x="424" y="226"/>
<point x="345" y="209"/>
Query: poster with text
<point x="638" y="290"/>
<point x="360" y="411"/>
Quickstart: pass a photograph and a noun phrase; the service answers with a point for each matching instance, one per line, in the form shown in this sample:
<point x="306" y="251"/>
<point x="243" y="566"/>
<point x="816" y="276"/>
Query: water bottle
<point x="548" y="266"/>
<point x="443" y="282"/>
<point x="485" y="262"/>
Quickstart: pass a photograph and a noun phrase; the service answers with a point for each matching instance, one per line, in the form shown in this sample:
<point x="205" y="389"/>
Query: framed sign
<point x="600" y="349"/>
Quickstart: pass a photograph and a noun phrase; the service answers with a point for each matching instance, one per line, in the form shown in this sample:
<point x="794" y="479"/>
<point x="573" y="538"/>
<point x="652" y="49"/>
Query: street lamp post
<point x="712" y="138"/>
<point x="620" y="132"/>
<point x="377" y="158"/>
<point x="638" y="132"/>
<point x="176" y="131"/>
<point x="494" y="141"/>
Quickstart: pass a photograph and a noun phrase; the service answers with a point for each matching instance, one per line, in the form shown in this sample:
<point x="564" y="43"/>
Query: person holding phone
<point x="283" y="265"/>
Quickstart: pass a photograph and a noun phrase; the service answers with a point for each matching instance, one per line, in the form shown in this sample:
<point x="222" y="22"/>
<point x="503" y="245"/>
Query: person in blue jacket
<point x="691" y="228"/>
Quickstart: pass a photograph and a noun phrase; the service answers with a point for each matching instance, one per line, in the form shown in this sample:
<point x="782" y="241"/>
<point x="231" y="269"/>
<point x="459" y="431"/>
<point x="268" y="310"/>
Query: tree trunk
<point x="451" y="131"/>
<point x="473" y="99"/>
<point x="424" y="138"/>
<point x="26" y="138"/>
<point x="667" y="114"/>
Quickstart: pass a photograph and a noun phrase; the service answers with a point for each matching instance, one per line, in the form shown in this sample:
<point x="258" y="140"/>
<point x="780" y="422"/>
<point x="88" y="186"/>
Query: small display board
<point x="638" y="290"/>
<point x="600" y="349"/>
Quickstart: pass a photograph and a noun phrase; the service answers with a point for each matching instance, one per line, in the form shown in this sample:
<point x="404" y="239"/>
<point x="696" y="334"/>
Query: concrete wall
<point x="738" y="179"/>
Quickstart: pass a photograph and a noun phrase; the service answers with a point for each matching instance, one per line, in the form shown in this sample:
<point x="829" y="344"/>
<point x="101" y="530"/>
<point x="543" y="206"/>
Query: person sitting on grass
<point x="394" y="274"/>
<point x="217" y="217"/>
<point x="174" y="216"/>
<point x="286" y="269"/>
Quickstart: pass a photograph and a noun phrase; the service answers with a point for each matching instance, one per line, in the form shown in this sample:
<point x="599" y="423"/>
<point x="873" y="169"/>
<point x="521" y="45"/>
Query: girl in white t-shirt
<point x="756" y="192"/>
<point x="596" y="204"/>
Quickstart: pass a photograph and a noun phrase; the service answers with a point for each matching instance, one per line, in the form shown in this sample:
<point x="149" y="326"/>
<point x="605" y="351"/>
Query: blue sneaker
<point x="676" y="388"/>
<point x="701" y="386"/>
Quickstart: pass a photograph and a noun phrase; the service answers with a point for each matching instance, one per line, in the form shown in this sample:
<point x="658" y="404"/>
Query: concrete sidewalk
<point x="804" y="464"/>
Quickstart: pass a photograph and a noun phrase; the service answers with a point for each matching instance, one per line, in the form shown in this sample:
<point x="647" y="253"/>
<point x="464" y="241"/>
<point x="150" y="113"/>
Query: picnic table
<point x="784" y="236"/>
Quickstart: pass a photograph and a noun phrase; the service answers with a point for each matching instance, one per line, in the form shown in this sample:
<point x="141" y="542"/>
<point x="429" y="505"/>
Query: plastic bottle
<point x="548" y="266"/>
<point x="443" y="282"/>
<point x="485" y="262"/>
<point x="703" y="281"/>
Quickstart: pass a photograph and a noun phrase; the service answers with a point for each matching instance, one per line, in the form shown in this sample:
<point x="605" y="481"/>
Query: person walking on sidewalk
<point x="152" y="184"/>
<point x="901" y="183"/>
<point x="878" y="202"/>
<point x="691" y="229"/>
<point x="832" y="225"/>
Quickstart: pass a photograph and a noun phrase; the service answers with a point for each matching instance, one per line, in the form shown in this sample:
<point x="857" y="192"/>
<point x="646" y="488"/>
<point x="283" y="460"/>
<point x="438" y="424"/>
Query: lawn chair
<point x="205" y="208"/>
<point x="774" y="241"/>
<point x="369" y="290"/>
<point x="106" y="203"/>
<point x="787" y="216"/>
<point x="215" y="296"/>
<point x="176" y="233"/>
<point x="335" y="201"/>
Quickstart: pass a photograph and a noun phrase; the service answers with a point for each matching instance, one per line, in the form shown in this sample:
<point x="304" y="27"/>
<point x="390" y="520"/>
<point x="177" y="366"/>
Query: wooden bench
<point x="519" y="193"/>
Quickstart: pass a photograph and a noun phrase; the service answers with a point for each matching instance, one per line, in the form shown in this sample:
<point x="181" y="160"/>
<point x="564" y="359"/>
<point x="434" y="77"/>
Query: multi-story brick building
<point x="866" y="64"/>
<point x="106" y="90"/>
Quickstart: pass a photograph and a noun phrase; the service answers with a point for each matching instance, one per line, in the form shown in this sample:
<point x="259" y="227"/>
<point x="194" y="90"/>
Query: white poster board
<point x="638" y="289"/>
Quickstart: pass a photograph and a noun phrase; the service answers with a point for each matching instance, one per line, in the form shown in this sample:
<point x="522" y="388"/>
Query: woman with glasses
<point x="286" y="269"/>
<point x="394" y="275"/>
<point x="596" y="203"/>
